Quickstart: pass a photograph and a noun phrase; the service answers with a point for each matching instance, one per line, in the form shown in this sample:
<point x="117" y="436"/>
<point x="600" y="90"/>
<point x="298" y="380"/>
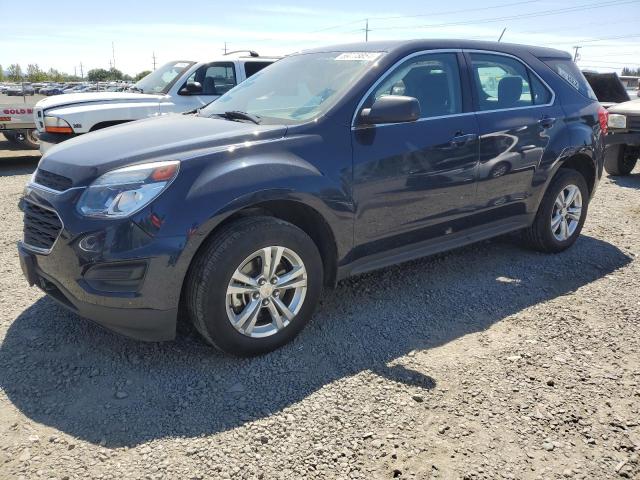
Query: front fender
<point x="226" y="187"/>
<point x="82" y="118"/>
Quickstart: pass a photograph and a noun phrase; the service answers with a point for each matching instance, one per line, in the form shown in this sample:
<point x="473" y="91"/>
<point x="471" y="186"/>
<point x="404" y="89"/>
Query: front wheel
<point x="621" y="160"/>
<point x="561" y="213"/>
<point x="254" y="285"/>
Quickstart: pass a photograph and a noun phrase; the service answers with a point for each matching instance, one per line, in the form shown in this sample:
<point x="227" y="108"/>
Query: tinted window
<point x="568" y="70"/>
<point x="504" y="82"/>
<point x="434" y="79"/>
<point x="215" y="78"/>
<point x="251" y="68"/>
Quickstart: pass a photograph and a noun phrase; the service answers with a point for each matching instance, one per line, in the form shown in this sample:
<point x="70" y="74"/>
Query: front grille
<point x="52" y="180"/>
<point x="633" y="122"/>
<point x="41" y="226"/>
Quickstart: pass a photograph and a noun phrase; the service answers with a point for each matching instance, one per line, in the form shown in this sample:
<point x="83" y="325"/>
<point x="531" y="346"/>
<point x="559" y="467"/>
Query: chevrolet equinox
<point x="328" y="163"/>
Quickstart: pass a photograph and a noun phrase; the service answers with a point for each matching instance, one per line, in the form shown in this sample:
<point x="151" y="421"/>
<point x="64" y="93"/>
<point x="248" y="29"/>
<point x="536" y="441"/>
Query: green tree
<point x="141" y="75"/>
<point x="55" y="76"/>
<point x="98" y="75"/>
<point x="34" y="74"/>
<point x="1" y="73"/>
<point x="15" y="73"/>
<point x="102" y="75"/>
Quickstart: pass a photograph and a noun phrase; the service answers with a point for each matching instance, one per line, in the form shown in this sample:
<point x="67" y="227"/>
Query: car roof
<point x="408" y="46"/>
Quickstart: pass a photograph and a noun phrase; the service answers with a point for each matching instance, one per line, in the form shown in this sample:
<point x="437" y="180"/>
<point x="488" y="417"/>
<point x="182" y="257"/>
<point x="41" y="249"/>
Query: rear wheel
<point x="29" y="139"/>
<point x="254" y="286"/>
<point x="561" y="213"/>
<point x="621" y="160"/>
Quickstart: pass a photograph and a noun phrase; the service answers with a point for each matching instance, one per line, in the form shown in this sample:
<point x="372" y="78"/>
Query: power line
<point x="513" y="17"/>
<point x="432" y="14"/>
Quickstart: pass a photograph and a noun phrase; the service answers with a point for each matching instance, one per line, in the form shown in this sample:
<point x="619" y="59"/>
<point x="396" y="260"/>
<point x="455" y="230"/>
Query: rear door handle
<point x="461" y="140"/>
<point x="547" y="122"/>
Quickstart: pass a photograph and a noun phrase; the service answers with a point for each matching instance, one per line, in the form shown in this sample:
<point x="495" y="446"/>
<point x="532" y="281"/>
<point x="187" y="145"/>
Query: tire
<point x="29" y="140"/>
<point x="541" y="235"/>
<point x="211" y="307"/>
<point x="10" y="136"/>
<point x="621" y="160"/>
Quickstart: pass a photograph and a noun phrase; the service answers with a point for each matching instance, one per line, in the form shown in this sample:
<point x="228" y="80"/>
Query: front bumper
<point x="130" y="283"/>
<point x="49" y="140"/>
<point x="146" y="324"/>
<point x="629" y="138"/>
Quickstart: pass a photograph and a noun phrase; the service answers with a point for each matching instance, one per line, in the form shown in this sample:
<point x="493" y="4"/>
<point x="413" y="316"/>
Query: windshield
<point x="160" y="80"/>
<point x="295" y="89"/>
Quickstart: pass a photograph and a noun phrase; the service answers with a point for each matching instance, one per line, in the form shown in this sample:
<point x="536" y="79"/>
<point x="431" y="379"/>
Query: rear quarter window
<point x="570" y="73"/>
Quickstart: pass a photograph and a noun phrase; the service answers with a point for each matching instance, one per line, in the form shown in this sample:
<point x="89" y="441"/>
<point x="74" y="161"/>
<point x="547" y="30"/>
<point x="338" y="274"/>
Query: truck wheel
<point x="28" y="139"/>
<point x="10" y="136"/>
<point x="561" y="213"/>
<point x="621" y="159"/>
<point x="254" y="285"/>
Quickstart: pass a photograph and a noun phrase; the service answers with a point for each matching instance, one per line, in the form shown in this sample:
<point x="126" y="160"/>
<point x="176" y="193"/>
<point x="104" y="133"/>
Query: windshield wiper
<point x="238" y="115"/>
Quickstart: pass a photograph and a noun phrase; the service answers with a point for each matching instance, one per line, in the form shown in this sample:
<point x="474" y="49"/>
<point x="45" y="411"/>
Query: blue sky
<point x="63" y="34"/>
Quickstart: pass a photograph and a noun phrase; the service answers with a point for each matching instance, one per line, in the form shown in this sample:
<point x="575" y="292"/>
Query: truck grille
<point x="633" y="122"/>
<point x="41" y="226"/>
<point x="52" y="180"/>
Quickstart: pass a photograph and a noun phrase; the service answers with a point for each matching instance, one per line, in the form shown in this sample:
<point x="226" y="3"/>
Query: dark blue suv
<point x="328" y="163"/>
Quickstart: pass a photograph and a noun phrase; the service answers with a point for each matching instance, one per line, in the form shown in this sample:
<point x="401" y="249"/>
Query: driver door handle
<point x="461" y="139"/>
<point x="547" y="122"/>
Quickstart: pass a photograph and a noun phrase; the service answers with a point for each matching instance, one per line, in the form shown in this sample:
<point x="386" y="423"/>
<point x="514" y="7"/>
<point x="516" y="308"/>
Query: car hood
<point x="627" y="108"/>
<point x="174" y="136"/>
<point x="95" y="97"/>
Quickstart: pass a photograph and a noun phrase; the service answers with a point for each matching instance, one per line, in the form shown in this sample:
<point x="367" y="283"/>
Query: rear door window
<point x="504" y="82"/>
<point x="251" y="68"/>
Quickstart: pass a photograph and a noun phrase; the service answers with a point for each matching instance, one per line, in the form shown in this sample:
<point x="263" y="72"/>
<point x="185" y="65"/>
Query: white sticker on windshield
<point x="359" y="56"/>
<point x="181" y="65"/>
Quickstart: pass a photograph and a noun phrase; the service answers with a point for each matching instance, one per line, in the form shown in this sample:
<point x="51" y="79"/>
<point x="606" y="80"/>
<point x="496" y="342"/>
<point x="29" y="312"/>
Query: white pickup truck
<point x="17" y="125"/>
<point x="175" y="87"/>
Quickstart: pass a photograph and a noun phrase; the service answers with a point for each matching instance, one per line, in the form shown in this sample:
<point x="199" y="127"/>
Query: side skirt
<point x="432" y="246"/>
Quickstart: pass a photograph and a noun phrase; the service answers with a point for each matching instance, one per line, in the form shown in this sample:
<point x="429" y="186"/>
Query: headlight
<point x="617" y="121"/>
<point x="124" y="191"/>
<point x="56" y="125"/>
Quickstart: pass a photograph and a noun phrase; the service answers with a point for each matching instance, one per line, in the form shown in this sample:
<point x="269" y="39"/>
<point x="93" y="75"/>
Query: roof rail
<point x="253" y="53"/>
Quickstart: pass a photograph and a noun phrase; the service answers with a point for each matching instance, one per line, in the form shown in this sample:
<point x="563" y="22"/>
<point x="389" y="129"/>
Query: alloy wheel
<point x="266" y="291"/>
<point x="566" y="213"/>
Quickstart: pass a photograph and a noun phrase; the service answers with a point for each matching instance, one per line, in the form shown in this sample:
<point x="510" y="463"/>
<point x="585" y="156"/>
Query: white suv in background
<point x="175" y="87"/>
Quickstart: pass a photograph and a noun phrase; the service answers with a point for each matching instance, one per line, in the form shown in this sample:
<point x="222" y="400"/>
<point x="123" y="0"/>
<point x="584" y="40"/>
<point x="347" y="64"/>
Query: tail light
<point x="603" y="118"/>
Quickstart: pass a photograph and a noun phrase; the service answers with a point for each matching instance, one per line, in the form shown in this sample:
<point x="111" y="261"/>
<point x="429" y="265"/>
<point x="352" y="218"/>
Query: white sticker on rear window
<point x="568" y="77"/>
<point x="181" y="65"/>
<point x="359" y="56"/>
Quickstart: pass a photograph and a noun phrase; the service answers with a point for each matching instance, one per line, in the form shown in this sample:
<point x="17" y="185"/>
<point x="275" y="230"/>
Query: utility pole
<point x="576" y="56"/>
<point x="81" y="71"/>
<point x="113" y="55"/>
<point x="502" y="34"/>
<point x="154" y="60"/>
<point x="225" y="48"/>
<point x="75" y="72"/>
<point x="366" y="31"/>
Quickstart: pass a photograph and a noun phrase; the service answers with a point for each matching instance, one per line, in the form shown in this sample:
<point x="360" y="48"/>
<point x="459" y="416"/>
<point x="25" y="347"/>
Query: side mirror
<point x="391" y="109"/>
<point x="191" y="88"/>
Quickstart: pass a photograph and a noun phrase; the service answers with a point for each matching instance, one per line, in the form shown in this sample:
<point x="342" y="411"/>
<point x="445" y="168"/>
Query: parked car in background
<point x="173" y="88"/>
<point x="19" y="90"/>
<point x="314" y="169"/>
<point x="623" y="141"/>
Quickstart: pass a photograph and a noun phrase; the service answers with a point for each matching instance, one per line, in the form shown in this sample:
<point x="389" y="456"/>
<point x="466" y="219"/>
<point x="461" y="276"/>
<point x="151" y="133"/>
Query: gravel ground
<point x="487" y="362"/>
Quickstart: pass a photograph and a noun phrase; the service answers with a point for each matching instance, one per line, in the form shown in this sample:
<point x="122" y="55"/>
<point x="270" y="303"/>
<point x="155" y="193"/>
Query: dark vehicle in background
<point x="623" y="141"/>
<point x="53" y="90"/>
<point x="326" y="164"/>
